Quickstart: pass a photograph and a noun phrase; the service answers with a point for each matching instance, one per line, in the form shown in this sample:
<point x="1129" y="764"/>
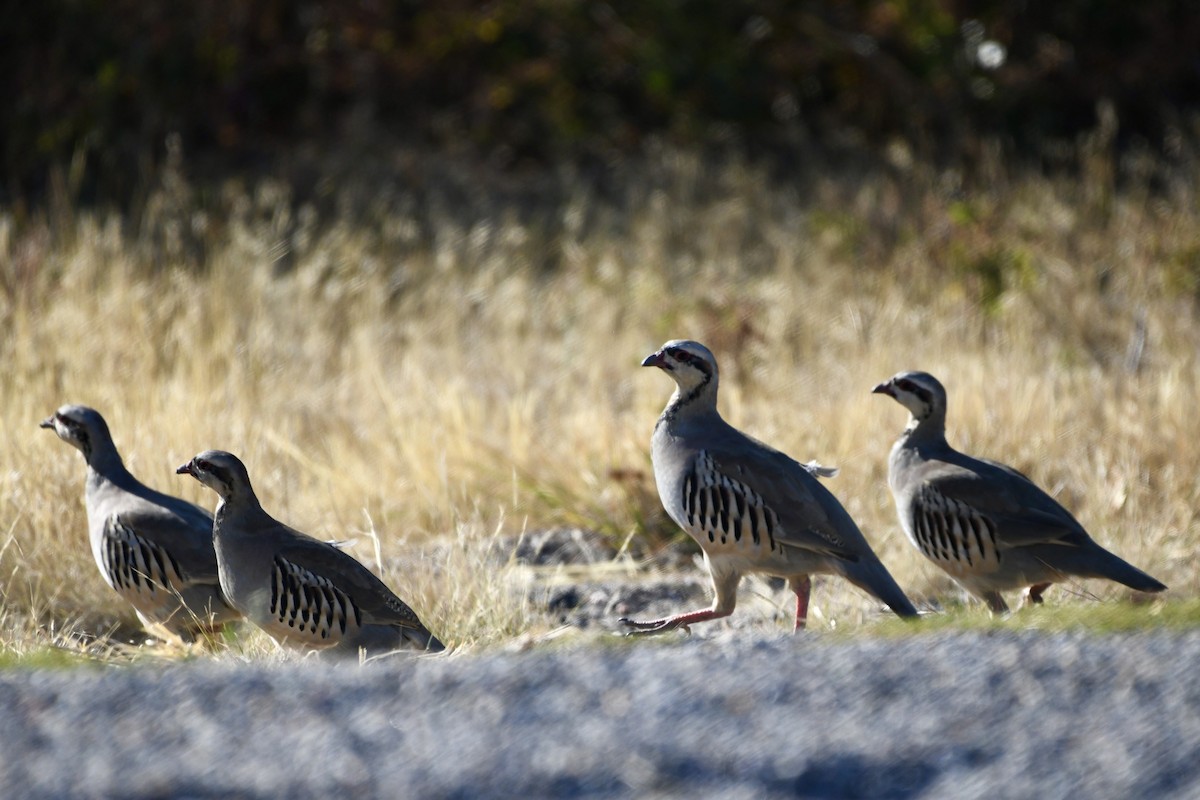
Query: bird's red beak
<point x="655" y="360"/>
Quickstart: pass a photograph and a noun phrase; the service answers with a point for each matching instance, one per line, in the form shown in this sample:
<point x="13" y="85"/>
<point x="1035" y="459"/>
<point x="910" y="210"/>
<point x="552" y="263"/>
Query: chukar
<point x="154" y="550"/>
<point x="750" y="508"/>
<point x="987" y="525"/>
<point x="304" y="592"/>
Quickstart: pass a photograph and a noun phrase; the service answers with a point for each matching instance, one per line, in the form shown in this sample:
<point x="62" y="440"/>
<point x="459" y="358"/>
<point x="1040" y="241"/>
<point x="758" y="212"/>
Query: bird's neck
<point x="240" y="504"/>
<point x="925" y="430"/>
<point x="693" y="403"/>
<point x="105" y="466"/>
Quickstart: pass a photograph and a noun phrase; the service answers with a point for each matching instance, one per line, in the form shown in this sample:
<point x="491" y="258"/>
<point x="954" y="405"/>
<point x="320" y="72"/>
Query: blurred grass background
<point x="405" y="262"/>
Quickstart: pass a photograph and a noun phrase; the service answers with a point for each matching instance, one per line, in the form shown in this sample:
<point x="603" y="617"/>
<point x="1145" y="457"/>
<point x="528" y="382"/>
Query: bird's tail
<point x="870" y="575"/>
<point x="1095" y="562"/>
<point x="381" y="638"/>
<point x="431" y="643"/>
<point x="418" y="637"/>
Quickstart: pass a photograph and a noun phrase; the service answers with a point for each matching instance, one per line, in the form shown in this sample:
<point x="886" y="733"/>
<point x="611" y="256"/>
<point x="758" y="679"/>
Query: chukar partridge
<point x="154" y="550"/>
<point x="752" y="509"/>
<point x="304" y="592"/>
<point x="987" y="525"/>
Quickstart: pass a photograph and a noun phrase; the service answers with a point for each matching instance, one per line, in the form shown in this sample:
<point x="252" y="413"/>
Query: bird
<point x="987" y="525"/>
<point x="154" y="550"/>
<point x="751" y="508"/>
<point x="305" y="593"/>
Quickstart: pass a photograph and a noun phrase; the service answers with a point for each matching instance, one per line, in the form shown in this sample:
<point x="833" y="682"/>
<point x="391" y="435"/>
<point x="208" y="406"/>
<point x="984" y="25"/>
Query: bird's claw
<point x="653" y="627"/>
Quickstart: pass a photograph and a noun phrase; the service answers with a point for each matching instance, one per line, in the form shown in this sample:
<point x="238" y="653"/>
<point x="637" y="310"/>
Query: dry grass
<point x="447" y="372"/>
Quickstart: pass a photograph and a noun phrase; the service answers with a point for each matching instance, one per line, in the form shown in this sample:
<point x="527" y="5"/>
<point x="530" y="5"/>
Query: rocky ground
<point x="945" y="715"/>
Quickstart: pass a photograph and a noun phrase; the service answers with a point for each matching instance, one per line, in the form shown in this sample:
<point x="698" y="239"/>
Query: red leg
<point x="671" y="623"/>
<point x="802" y="586"/>
<point x="724" y="600"/>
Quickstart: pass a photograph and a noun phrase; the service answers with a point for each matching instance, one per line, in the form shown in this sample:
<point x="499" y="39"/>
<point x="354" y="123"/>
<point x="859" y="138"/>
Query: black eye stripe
<point x="683" y="356"/>
<point x="922" y="393"/>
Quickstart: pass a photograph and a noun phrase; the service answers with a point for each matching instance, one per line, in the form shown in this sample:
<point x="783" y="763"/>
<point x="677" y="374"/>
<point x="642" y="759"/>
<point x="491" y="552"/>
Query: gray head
<point x="220" y="471"/>
<point x="921" y="393"/>
<point x="82" y="427"/>
<point x="691" y="365"/>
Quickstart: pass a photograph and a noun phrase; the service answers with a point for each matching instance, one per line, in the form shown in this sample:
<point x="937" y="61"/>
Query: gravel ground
<point x="946" y="715"/>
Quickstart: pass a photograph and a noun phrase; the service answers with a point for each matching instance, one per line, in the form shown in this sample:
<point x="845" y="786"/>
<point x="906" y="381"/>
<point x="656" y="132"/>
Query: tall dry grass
<point x="446" y="367"/>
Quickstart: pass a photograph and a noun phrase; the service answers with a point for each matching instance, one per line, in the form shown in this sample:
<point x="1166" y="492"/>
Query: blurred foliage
<point x="97" y="86"/>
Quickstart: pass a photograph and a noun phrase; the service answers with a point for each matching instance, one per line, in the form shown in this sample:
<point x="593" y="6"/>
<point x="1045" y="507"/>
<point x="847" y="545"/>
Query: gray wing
<point x="135" y="563"/>
<point x="796" y="510"/>
<point x="1017" y="510"/>
<point x="166" y="538"/>
<point x="372" y="599"/>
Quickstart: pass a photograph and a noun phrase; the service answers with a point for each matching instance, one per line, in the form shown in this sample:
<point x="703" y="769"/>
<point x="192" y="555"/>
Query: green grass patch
<point x="48" y="657"/>
<point x="1092" y="617"/>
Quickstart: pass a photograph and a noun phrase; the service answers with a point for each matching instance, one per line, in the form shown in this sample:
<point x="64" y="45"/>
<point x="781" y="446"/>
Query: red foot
<point x="651" y="627"/>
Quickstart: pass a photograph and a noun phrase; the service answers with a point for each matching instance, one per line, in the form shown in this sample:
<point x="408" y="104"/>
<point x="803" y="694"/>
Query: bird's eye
<point x="680" y="355"/>
<point x="906" y="385"/>
<point x="204" y="466"/>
